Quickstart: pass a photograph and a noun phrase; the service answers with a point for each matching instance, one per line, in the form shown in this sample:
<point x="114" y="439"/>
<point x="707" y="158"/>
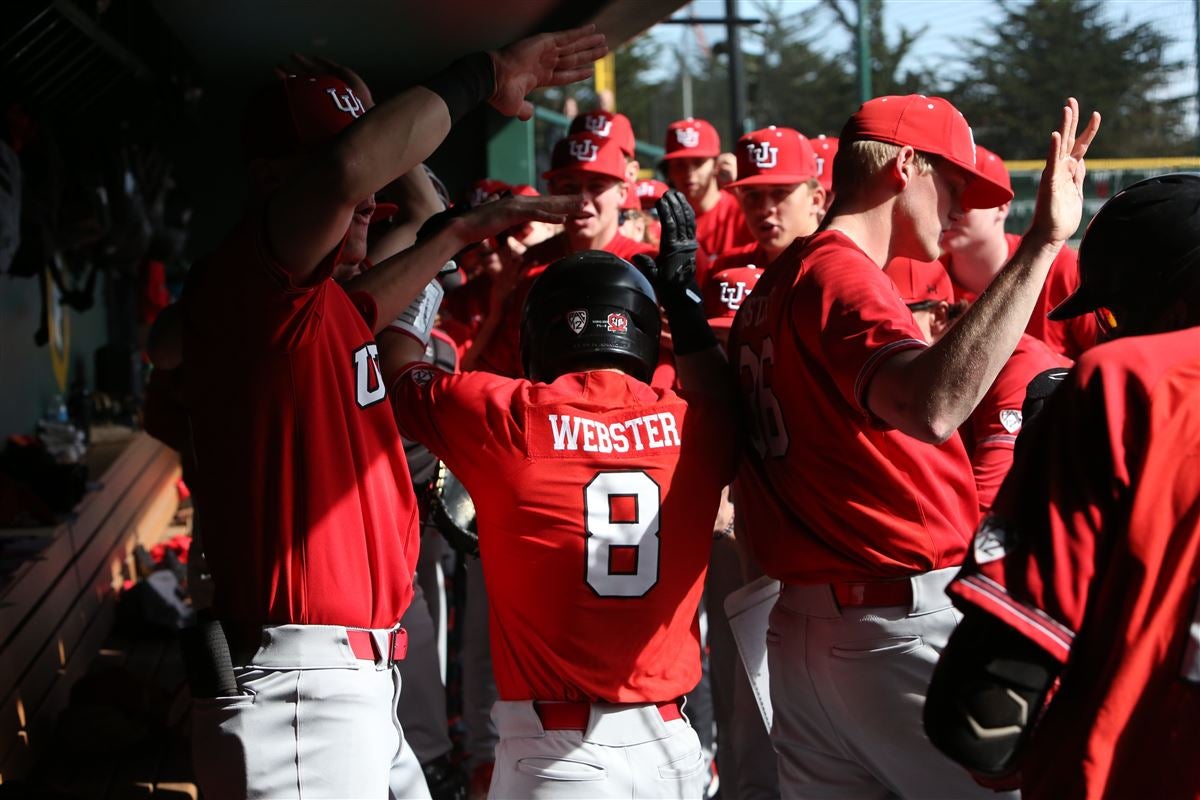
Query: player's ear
<point x="939" y="321"/>
<point x="1002" y="213"/>
<point x="903" y="167"/>
<point x="818" y="199"/>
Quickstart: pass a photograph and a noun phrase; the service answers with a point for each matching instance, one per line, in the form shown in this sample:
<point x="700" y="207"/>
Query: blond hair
<point x="859" y="162"/>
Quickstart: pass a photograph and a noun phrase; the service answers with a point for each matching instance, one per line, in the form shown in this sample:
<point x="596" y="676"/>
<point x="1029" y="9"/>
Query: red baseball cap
<point x="931" y="125"/>
<point x="774" y="156"/>
<point x="992" y="166"/>
<point x="648" y="192"/>
<point x="525" y="190"/>
<point x="292" y="114"/>
<point x="587" y="152"/>
<point x="918" y="281"/>
<point x="826" y="148"/>
<point x="607" y="125"/>
<point x="631" y="202"/>
<point x="725" y="291"/>
<point x="692" y="138"/>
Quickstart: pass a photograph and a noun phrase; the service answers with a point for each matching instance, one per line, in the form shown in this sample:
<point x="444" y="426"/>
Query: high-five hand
<point x="1060" y="193"/>
<point x="548" y="59"/>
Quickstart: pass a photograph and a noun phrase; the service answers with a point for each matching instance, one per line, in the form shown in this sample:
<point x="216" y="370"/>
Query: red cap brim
<point x="770" y="180"/>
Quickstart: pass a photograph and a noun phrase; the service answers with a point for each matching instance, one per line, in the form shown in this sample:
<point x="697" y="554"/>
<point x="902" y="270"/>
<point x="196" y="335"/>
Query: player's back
<point x="1130" y="705"/>
<point x="595" y="497"/>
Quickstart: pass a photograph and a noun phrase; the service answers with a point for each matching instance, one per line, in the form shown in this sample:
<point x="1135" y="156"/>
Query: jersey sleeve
<point x="849" y="314"/>
<point x="990" y="463"/>
<point x="451" y="412"/>
<point x="1033" y="558"/>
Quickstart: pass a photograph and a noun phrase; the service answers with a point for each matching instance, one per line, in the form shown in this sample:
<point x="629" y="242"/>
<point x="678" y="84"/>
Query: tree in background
<point x="1046" y="50"/>
<point x="790" y="81"/>
<point x="888" y="74"/>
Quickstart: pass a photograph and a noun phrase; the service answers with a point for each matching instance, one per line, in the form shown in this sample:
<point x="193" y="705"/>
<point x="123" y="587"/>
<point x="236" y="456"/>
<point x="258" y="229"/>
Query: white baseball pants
<point x="311" y="721"/>
<point x="848" y="688"/>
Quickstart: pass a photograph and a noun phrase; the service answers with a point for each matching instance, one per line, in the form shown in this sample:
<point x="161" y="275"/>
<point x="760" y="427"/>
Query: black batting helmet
<point x="1138" y="248"/>
<point x="590" y="309"/>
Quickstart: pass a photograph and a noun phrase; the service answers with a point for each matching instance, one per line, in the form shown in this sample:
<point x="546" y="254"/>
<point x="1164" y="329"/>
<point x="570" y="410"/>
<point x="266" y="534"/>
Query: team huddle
<point x="817" y="367"/>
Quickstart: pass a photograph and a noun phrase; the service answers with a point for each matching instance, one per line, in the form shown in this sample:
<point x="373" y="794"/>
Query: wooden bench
<point x="58" y="608"/>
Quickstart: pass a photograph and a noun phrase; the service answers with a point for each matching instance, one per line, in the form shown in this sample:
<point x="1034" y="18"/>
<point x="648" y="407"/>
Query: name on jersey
<point x="650" y="432"/>
<point x="753" y="310"/>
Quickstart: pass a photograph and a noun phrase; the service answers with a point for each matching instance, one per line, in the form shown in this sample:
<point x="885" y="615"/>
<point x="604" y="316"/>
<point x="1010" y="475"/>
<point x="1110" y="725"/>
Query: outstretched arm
<point x="395" y="283"/>
<point x="929" y="393"/>
<point x="308" y="215"/>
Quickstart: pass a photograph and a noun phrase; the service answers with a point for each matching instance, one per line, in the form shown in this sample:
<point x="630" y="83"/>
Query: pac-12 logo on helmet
<point x="577" y="320"/>
<point x="618" y="322"/>
<point x="347" y="102"/>
<point x="764" y="154"/>
<point x="687" y="137"/>
<point x="598" y="125"/>
<point x="583" y="150"/>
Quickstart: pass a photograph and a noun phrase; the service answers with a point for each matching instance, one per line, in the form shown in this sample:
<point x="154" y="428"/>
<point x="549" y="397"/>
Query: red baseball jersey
<point x="595" y="496"/>
<point x="719" y="230"/>
<point x="1092" y="552"/>
<point x="991" y="431"/>
<point x="308" y="508"/>
<point x="503" y="353"/>
<point x="1070" y="337"/>
<point x="829" y="492"/>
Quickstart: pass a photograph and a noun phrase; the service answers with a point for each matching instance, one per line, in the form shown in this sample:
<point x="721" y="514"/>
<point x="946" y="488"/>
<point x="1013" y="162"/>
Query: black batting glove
<point x="673" y="275"/>
<point x="675" y="267"/>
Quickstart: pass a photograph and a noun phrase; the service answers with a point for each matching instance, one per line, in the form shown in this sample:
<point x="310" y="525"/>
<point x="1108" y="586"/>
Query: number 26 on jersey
<point x="768" y="433"/>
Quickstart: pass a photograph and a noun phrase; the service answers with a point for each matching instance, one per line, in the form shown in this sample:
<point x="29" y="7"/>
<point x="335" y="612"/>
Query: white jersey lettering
<point x="566" y="436"/>
<point x="592" y="436"/>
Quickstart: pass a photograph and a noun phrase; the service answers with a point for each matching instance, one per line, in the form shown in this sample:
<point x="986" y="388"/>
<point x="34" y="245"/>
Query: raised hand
<point x="548" y="59"/>
<point x="320" y="65"/>
<point x="1060" y="194"/>
<point x="676" y="262"/>
<point x="492" y="218"/>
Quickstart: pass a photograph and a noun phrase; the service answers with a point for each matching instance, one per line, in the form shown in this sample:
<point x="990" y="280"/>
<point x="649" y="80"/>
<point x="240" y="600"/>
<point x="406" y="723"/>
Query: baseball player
<point x="312" y="531"/>
<point x="780" y="194"/>
<point x="857" y="492"/>
<point x="1086" y="571"/>
<point x="582" y="163"/>
<point x="595" y="497"/>
<point x="692" y="146"/>
<point x="745" y="761"/>
<point x="611" y="125"/>
<point x="990" y="433"/>
<point x="975" y="248"/>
